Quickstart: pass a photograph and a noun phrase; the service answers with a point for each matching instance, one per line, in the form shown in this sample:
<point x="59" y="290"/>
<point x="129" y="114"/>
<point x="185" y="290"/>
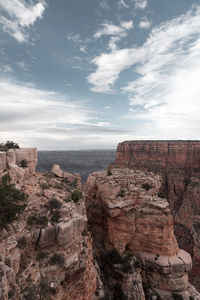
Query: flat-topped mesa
<point x="126" y="213"/>
<point x="159" y="154"/>
<point x="18" y="162"/>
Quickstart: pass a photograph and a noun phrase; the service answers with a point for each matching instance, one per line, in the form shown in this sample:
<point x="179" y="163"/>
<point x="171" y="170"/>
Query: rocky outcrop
<point x="19" y="163"/>
<point x="178" y="162"/>
<point x="126" y="214"/>
<point x="47" y="252"/>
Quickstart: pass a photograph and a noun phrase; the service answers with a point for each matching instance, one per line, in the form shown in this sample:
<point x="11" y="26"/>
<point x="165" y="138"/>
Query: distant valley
<point x="82" y="162"/>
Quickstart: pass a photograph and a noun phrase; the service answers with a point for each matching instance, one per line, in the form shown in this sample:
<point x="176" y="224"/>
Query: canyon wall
<point x="178" y="162"/>
<point x="132" y="231"/>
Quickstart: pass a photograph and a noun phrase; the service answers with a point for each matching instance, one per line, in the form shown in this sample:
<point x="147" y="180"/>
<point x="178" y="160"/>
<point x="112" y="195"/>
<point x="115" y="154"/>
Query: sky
<point x="88" y="74"/>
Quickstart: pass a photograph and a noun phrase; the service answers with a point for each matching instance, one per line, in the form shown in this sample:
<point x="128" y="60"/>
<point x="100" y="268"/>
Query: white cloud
<point x="122" y="3"/>
<point x="20" y="16"/>
<point x="49" y="120"/>
<point x="109" y="66"/>
<point x="83" y="49"/>
<point x="114" y="30"/>
<point x="145" y="23"/>
<point x="141" y="4"/>
<point x="167" y="46"/>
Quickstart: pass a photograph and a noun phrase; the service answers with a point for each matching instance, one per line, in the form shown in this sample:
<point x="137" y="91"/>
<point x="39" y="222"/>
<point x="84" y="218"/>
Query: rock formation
<point x="126" y="214"/>
<point x="47" y="252"/>
<point x="12" y="160"/>
<point x="178" y="162"/>
<point x="130" y="252"/>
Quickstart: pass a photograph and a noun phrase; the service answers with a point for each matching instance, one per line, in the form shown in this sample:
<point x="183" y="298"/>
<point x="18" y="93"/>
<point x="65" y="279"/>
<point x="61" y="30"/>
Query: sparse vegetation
<point x="146" y="186"/>
<point x="177" y="296"/>
<point x="41" y="291"/>
<point x="137" y="264"/>
<point x="161" y="195"/>
<point x="24" y="163"/>
<point x="55" y="217"/>
<point x="11" y="202"/>
<point x="109" y="173"/>
<point x="8" y="145"/>
<point x="122" y="193"/>
<point x="44" y="185"/>
<point x="75" y="183"/>
<point x="41" y="255"/>
<point x="67" y="200"/>
<point x="76" y="196"/>
<point x="54" y="203"/>
<point x="37" y="220"/>
<point x="113" y="257"/>
<point x="57" y="259"/>
<point x="21" y="243"/>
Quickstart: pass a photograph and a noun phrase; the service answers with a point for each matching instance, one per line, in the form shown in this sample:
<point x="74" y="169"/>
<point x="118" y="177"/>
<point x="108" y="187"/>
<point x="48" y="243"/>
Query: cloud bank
<point x="165" y="94"/>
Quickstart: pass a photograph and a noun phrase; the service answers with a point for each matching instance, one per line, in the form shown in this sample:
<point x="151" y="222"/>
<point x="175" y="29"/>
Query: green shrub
<point x="74" y="183"/>
<point x="177" y="296"/>
<point x="67" y="200"/>
<point x="55" y="217"/>
<point x="137" y="264"/>
<point x="24" y="163"/>
<point x="146" y="186"/>
<point x="126" y="267"/>
<point x="11" y="202"/>
<point x="161" y="195"/>
<point x="54" y="203"/>
<point x="44" y="185"/>
<point x="11" y="293"/>
<point x="41" y="255"/>
<point x="8" y="145"/>
<point x="113" y="257"/>
<point x="109" y="173"/>
<point x="76" y="196"/>
<point x="37" y="220"/>
<point x="21" y="243"/>
<point x="42" y="220"/>
<point x="57" y="259"/>
<point x="122" y="193"/>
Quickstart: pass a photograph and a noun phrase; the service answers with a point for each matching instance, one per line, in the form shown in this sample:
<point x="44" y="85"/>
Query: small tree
<point x="12" y="201"/>
<point x="24" y="163"/>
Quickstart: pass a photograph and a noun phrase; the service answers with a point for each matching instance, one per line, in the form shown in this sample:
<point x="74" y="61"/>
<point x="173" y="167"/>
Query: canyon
<point x="111" y="238"/>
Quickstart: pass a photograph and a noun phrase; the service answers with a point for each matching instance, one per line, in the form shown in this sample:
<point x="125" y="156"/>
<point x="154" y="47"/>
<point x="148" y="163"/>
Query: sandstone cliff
<point x="13" y="160"/>
<point x="47" y="252"/>
<point x="126" y="214"/>
<point x="179" y="164"/>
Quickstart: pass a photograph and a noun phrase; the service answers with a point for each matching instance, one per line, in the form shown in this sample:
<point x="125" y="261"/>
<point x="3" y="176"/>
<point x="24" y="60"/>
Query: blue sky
<point x="88" y="74"/>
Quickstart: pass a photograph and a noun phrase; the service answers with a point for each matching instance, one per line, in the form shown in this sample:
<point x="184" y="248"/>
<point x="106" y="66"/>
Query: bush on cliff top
<point x="8" y="145"/>
<point x="11" y="201"/>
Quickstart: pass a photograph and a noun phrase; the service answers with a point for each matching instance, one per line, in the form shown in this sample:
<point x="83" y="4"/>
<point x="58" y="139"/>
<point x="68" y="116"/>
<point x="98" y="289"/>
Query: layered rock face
<point x="178" y="162"/>
<point x="12" y="162"/>
<point x="47" y="252"/>
<point x="126" y="214"/>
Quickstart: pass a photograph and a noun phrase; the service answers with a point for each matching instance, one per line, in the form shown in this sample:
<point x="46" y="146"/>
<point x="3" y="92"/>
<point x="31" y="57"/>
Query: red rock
<point x="179" y="164"/>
